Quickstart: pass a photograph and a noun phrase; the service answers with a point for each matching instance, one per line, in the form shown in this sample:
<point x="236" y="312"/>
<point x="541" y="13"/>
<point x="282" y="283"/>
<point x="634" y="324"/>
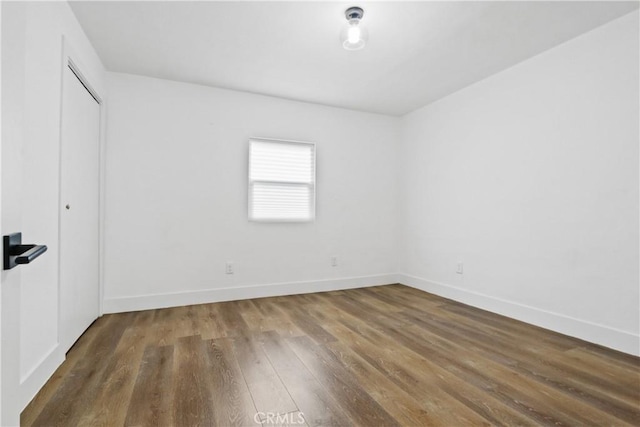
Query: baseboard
<point x="578" y="328"/>
<point x="33" y="381"/>
<point x="147" y="302"/>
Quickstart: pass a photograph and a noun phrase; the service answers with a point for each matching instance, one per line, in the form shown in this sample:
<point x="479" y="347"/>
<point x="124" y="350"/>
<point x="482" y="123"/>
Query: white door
<point x="79" y="204"/>
<point x="12" y="42"/>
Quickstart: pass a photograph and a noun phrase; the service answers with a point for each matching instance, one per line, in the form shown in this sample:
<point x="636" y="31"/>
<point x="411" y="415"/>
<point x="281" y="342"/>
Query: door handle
<point x="15" y="253"/>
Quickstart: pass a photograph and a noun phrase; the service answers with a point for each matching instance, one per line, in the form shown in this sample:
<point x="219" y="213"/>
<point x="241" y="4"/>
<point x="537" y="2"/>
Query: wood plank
<point x="230" y="396"/>
<point x="211" y="324"/>
<point x="612" y="370"/>
<point x="318" y="407"/>
<point x="304" y="323"/>
<point x="611" y="356"/>
<point x="191" y="396"/>
<point x="373" y="299"/>
<point x="329" y="372"/>
<point x="399" y="300"/>
<point x="254" y="319"/>
<point x="393" y="398"/>
<point x="164" y="327"/>
<point x="114" y="393"/>
<point x="231" y="319"/>
<point x="268" y="393"/>
<point x="278" y="320"/>
<point x="151" y="397"/>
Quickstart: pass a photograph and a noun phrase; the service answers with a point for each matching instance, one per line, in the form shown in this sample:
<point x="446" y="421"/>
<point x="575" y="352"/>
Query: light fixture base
<point x="354" y="12"/>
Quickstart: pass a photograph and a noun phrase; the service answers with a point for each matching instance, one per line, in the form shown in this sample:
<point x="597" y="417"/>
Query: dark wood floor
<point x="388" y="355"/>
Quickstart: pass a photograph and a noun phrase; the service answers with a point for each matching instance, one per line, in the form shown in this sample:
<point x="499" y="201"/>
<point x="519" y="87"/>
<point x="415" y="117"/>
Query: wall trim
<point x="35" y="379"/>
<point x="147" y="302"/>
<point x="616" y="339"/>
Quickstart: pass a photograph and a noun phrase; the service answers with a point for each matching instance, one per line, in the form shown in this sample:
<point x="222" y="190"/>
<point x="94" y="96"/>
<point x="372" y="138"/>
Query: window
<point x="282" y="180"/>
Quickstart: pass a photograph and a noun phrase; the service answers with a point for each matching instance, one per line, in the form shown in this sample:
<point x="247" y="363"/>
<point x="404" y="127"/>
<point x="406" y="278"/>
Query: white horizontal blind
<point x="281" y="180"/>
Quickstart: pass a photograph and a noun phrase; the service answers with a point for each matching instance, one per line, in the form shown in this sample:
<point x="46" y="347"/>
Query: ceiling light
<point x="353" y="36"/>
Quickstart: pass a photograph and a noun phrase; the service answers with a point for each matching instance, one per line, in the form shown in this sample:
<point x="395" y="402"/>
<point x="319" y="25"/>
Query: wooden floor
<point x="386" y="356"/>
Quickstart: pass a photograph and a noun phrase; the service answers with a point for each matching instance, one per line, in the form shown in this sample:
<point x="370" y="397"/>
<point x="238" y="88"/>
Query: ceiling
<point x="417" y="52"/>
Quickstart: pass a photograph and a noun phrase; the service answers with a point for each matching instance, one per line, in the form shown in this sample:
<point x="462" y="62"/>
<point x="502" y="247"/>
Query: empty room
<point x="319" y="213"/>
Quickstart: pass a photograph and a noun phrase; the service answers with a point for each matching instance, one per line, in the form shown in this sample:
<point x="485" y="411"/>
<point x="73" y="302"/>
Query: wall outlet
<point x="228" y="267"/>
<point x="459" y="268"/>
<point x="334" y="261"/>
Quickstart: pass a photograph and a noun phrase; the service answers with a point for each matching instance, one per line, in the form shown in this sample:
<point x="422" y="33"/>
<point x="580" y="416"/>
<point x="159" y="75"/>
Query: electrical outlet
<point x="228" y="268"/>
<point x="334" y="261"/>
<point x="459" y="268"/>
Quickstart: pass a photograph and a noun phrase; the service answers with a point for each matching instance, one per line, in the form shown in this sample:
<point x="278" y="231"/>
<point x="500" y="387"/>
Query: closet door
<point x="79" y="204"/>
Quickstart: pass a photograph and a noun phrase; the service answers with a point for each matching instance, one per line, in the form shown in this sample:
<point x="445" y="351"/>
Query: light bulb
<point x="353" y="35"/>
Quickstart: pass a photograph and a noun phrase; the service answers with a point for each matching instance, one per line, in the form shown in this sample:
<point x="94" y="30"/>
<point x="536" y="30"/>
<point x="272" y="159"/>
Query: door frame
<point x="71" y="59"/>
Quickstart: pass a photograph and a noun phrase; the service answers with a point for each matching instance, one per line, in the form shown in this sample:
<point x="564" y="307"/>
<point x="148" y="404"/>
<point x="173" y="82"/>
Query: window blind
<point x="281" y="180"/>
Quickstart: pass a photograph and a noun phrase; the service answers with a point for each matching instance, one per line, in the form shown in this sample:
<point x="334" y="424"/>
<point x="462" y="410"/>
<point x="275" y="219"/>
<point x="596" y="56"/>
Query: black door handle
<point x="15" y="253"/>
<point x="27" y="253"/>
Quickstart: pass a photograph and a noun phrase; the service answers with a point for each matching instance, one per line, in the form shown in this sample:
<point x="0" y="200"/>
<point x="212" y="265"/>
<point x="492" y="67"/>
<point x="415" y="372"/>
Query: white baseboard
<point x="613" y="338"/>
<point x="147" y="302"/>
<point x="33" y="381"/>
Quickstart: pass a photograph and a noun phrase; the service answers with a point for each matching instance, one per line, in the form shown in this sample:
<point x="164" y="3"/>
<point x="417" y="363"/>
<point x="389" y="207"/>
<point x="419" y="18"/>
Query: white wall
<point x="45" y="25"/>
<point x="176" y="197"/>
<point x="530" y="178"/>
